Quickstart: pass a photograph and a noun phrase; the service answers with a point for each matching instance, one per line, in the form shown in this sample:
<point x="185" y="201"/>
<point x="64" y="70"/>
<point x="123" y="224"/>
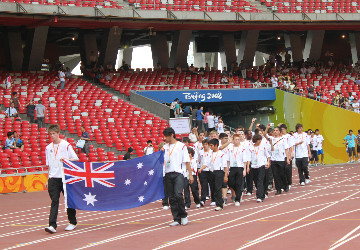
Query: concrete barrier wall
<point x="150" y="105"/>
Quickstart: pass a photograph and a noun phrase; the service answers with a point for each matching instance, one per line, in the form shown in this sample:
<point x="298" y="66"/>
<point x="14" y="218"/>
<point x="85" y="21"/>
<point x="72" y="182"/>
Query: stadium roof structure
<point x="29" y="15"/>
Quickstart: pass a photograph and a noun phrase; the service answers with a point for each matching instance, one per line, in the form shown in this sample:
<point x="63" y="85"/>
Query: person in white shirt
<point x="320" y="150"/>
<point x="211" y="122"/>
<point x="314" y="146"/>
<point x="11" y="111"/>
<point x="249" y="173"/>
<point x="218" y="165"/>
<point x="260" y="160"/>
<point x="193" y="136"/>
<point x="224" y="147"/>
<point x="302" y="154"/>
<point x="9" y="81"/>
<point x="175" y="153"/>
<point x="149" y="149"/>
<point x="62" y="79"/>
<point x="220" y="126"/>
<point x="279" y="159"/>
<point x="205" y="175"/>
<point x="55" y="153"/>
<point x="274" y="81"/>
<point x="290" y="141"/>
<point x="194" y="186"/>
<point x="237" y="158"/>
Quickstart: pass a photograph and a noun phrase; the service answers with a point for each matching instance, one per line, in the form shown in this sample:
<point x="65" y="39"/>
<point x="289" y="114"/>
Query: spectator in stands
<point x="149" y="149"/>
<point x="207" y="67"/>
<point x="86" y="137"/>
<point x="287" y="59"/>
<point x="194" y="116"/>
<point x="125" y="66"/>
<point x="18" y="142"/>
<point x="274" y="81"/>
<point x="127" y="156"/>
<point x="10" y="141"/>
<point x="178" y="109"/>
<point x="211" y="122"/>
<point x="30" y="111"/>
<point x="192" y="68"/>
<point x="68" y="73"/>
<point x="187" y="111"/>
<point x="40" y="114"/>
<point x="357" y="80"/>
<point x="342" y="100"/>
<point x="224" y="80"/>
<point x="108" y="76"/>
<point x="15" y="100"/>
<point x="351" y="98"/>
<point x="11" y="111"/>
<point x="336" y="100"/>
<point x="199" y="118"/>
<point x="331" y="62"/>
<point x="178" y="68"/>
<point x="62" y="79"/>
<point x="231" y="79"/>
<point x="157" y="66"/>
<point x="243" y="67"/>
<point x="9" y="81"/>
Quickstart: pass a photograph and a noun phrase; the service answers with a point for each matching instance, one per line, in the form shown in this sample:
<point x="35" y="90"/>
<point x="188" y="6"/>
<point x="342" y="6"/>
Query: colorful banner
<point x="30" y="183"/>
<point x="333" y="122"/>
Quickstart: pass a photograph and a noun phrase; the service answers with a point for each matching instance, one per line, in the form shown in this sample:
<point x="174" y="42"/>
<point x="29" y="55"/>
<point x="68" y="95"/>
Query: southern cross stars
<point x="141" y="198"/>
<point x="90" y="199"/>
<point x="127" y="182"/>
<point x="140" y="165"/>
<point x="151" y="172"/>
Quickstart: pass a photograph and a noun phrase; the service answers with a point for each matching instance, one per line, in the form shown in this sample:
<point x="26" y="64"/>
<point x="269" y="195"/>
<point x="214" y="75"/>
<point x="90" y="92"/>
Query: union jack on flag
<point x="89" y="173"/>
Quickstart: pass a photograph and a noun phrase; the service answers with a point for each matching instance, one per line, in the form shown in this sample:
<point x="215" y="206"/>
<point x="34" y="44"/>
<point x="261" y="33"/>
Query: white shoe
<point x="202" y="203"/>
<point x="166" y="207"/>
<point x="213" y="203"/>
<point x="302" y="184"/>
<point x="174" y="224"/>
<point x="266" y="196"/>
<point x="248" y="194"/>
<point x="348" y="162"/>
<point x="197" y="205"/>
<point x="70" y="227"/>
<point x="307" y="181"/>
<point x="259" y="200"/>
<point x="289" y="187"/>
<point x="237" y="204"/>
<point x="50" y="229"/>
<point x="218" y="209"/>
<point x="184" y="221"/>
<point x="187" y="208"/>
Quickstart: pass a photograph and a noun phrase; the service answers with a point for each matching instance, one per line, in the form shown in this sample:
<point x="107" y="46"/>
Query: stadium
<point x="114" y="75"/>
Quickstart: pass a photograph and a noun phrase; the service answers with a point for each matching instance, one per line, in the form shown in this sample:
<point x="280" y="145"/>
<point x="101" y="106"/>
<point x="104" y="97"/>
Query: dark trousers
<point x="41" y="122"/>
<point x="249" y="181"/>
<point x="269" y="177"/>
<point x="165" y="201"/>
<point x="55" y="187"/>
<point x="199" y="124"/>
<point x="259" y="178"/>
<point x="32" y="118"/>
<point x="194" y="190"/>
<point x="174" y="187"/>
<point x="288" y="173"/>
<point x="218" y="180"/>
<point x="206" y="180"/>
<point x="86" y="148"/>
<point x="302" y="165"/>
<point x="236" y="180"/>
<point x="278" y="169"/>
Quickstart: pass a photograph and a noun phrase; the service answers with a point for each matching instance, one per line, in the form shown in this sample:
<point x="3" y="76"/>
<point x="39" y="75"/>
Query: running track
<point x="325" y="214"/>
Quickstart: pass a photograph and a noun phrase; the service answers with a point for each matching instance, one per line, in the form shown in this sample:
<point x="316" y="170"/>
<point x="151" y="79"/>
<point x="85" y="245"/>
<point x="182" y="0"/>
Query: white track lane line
<point x="346" y="236"/>
<point x="231" y="221"/>
<point x="141" y="231"/>
<point x="269" y="235"/>
<point x="345" y="241"/>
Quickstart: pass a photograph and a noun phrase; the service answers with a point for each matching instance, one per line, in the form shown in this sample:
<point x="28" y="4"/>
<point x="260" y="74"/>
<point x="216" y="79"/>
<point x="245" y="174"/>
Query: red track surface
<point x="312" y="217"/>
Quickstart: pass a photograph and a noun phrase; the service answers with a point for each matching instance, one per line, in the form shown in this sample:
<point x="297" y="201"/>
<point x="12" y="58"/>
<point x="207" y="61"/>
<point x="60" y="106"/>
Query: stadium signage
<point x="202" y="97"/>
<point x="210" y="95"/>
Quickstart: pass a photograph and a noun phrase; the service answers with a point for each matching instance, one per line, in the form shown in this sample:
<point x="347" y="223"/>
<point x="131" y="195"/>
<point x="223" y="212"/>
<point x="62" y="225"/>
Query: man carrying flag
<point x="176" y="153"/>
<point x="56" y="152"/>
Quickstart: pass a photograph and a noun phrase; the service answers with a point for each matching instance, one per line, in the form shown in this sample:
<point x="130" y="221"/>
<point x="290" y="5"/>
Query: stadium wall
<point x="25" y="183"/>
<point x="333" y="123"/>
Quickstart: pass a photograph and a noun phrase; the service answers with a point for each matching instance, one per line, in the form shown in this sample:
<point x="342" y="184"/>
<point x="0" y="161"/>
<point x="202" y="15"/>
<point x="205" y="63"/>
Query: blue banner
<point x="110" y="186"/>
<point x="210" y="95"/>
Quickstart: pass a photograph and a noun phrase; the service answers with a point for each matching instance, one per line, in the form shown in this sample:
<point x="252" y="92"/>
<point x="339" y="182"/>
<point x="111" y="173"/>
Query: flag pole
<point x="64" y="184"/>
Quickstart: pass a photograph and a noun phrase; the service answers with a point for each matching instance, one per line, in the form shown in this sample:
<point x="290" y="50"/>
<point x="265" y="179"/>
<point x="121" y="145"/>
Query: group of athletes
<point x="227" y="163"/>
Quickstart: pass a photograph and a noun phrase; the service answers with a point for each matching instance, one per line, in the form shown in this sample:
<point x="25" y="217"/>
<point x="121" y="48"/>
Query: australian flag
<point x="110" y="186"/>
